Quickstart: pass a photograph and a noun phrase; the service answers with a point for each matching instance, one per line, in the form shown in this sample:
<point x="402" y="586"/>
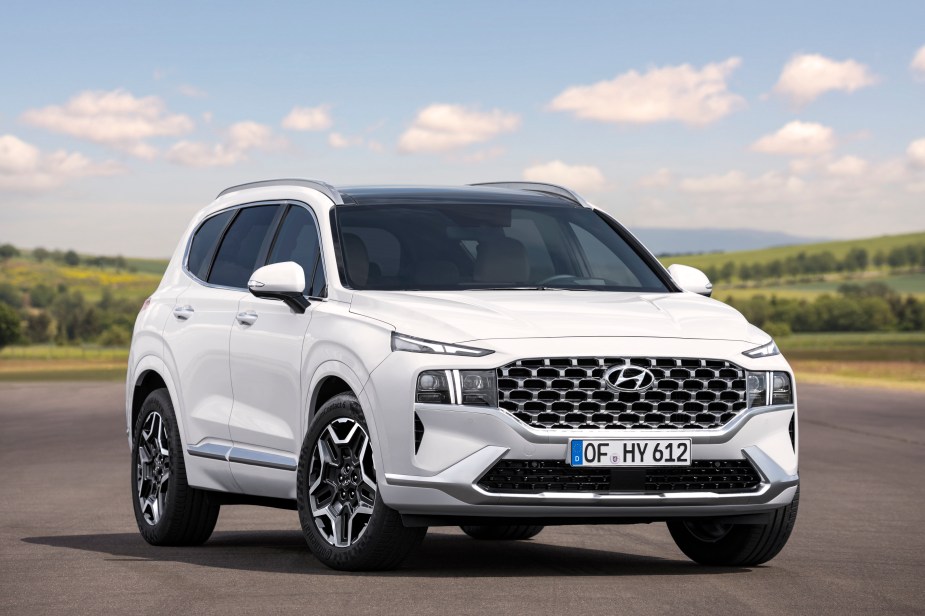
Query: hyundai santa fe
<point x="499" y="357"/>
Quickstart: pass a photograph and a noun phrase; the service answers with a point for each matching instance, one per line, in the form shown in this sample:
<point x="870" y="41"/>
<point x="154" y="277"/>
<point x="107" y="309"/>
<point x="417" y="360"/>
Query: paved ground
<point x="68" y="541"/>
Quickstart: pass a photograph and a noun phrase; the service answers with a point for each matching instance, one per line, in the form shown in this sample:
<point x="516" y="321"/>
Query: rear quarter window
<point x="204" y="243"/>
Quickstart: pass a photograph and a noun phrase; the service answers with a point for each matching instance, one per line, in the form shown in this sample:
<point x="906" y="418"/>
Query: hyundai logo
<point x="628" y="378"/>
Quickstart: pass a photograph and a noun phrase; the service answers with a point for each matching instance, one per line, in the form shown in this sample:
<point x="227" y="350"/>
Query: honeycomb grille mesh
<point x="536" y="476"/>
<point x="570" y="393"/>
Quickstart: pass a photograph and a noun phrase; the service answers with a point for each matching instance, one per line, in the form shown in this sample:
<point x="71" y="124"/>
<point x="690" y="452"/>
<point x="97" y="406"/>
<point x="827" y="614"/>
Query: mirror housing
<point x="691" y="279"/>
<point x="283" y="281"/>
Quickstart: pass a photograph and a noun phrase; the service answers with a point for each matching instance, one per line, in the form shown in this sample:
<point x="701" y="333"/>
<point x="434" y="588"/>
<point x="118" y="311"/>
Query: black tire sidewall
<point x="159" y="402"/>
<point x="363" y="554"/>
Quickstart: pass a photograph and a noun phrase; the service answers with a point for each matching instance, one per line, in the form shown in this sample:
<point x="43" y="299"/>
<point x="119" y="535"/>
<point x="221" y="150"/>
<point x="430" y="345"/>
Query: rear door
<point x="197" y="335"/>
<point x="267" y="341"/>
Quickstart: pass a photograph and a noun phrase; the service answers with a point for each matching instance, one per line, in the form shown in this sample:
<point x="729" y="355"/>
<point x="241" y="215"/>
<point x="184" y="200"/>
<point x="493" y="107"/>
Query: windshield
<point x="447" y="247"/>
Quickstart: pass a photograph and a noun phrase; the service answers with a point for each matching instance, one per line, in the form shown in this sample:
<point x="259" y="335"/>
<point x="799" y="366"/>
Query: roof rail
<point x="323" y="187"/>
<point x="541" y="187"/>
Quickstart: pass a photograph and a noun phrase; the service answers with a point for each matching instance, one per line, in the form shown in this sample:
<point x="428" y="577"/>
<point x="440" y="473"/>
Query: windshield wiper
<point x="527" y="289"/>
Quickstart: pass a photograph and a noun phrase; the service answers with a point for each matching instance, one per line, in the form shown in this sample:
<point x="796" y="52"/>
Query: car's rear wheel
<point x="167" y="510"/>
<point x="345" y="522"/>
<point x="718" y="543"/>
<point x="502" y="532"/>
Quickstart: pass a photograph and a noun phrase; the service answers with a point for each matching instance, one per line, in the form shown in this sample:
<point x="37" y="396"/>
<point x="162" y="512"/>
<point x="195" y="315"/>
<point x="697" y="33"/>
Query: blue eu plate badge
<point x="577" y="453"/>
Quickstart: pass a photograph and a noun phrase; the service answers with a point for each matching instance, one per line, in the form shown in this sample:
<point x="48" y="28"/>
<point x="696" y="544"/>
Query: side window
<point x="203" y="245"/>
<point x="237" y="256"/>
<point x="604" y="263"/>
<point x="297" y="241"/>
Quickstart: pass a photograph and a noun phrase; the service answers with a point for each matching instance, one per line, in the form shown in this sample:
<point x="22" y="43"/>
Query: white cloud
<point x="797" y="139"/>
<point x="847" y="166"/>
<point x="680" y="93"/>
<point x="375" y="146"/>
<point x="577" y="177"/>
<point x="441" y="127"/>
<point x="339" y="141"/>
<point x="308" y="118"/>
<point x="918" y="62"/>
<point x="24" y="167"/>
<point x="116" y="119"/>
<point x="240" y="138"/>
<point x="916" y="153"/>
<point x="661" y="178"/>
<point x="807" y="76"/>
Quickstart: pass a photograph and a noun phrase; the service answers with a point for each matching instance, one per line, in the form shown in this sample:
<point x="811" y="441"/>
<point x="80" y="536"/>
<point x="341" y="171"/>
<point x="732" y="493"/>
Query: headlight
<point x="401" y="342"/>
<point x="468" y="387"/>
<point x="766" y="388"/>
<point x="765" y="350"/>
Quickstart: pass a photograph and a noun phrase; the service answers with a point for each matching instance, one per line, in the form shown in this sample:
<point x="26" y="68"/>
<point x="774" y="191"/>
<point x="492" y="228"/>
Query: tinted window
<point x="444" y="246"/>
<point x="237" y="257"/>
<point x="203" y="245"/>
<point x="297" y="241"/>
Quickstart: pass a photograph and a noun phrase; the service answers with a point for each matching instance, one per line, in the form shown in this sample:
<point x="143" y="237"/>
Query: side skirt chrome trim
<point x="243" y="455"/>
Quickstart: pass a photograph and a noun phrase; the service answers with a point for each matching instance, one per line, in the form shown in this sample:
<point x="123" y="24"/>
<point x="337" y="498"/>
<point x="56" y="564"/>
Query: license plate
<point x="630" y="452"/>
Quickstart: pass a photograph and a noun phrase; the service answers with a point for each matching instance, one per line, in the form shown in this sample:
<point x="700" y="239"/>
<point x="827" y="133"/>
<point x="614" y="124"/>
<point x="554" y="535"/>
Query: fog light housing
<point x="434" y="387"/>
<point x="479" y="387"/>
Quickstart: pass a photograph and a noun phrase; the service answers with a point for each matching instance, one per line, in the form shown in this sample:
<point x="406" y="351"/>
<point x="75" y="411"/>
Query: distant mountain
<point x="686" y="241"/>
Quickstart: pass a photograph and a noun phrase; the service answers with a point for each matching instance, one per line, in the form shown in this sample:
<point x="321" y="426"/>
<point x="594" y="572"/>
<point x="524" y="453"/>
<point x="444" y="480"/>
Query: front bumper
<point x="461" y="444"/>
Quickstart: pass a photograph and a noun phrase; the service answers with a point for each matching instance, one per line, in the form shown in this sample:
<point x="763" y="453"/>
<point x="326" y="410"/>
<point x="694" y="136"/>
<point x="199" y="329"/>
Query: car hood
<point x="466" y="316"/>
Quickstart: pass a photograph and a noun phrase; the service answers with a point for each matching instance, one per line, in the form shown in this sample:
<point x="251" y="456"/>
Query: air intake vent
<point x="418" y="432"/>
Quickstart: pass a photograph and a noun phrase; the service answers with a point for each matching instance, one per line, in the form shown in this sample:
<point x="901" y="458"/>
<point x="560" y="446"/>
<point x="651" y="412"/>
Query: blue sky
<point x="118" y="122"/>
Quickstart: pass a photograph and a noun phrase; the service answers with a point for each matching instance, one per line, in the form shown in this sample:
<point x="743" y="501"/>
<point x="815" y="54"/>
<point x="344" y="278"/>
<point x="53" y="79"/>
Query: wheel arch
<point x="330" y="379"/>
<point x="150" y="374"/>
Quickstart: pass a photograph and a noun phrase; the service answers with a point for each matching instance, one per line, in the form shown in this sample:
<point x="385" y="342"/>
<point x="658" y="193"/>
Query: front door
<point x="267" y="341"/>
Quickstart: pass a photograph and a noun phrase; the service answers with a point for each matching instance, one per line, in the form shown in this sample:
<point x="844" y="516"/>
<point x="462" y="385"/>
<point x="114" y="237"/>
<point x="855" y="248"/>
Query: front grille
<point x="535" y="476"/>
<point x="570" y="393"/>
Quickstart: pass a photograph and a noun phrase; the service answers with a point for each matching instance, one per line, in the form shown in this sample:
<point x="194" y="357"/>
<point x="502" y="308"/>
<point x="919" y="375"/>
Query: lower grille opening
<point x="536" y="476"/>
<point x="418" y="432"/>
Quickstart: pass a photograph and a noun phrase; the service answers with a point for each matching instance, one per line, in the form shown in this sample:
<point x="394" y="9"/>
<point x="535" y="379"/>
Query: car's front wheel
<point x="168" y="511"/>
<point x="718" y="543"/>
<point x="345" y="522"/>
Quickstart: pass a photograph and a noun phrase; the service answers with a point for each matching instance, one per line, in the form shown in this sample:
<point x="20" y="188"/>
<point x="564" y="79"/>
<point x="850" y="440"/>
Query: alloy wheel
<point x="152" y="473"/>
<point x="342" y="482"/>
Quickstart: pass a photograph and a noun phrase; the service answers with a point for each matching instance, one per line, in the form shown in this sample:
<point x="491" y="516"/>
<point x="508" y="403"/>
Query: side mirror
<point x="284" y="281"/>
<point x="691" y="279"/>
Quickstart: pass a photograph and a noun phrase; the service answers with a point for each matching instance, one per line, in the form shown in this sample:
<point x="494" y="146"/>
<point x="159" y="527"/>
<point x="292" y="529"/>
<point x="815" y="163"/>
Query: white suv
<point x="499" y="357"/>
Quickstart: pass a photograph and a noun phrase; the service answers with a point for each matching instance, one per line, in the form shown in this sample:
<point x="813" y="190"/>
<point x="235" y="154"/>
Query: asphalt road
<point x="68" y="542"/>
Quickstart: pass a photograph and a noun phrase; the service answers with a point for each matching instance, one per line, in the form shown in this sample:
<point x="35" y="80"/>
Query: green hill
<point x="839" y="250"/>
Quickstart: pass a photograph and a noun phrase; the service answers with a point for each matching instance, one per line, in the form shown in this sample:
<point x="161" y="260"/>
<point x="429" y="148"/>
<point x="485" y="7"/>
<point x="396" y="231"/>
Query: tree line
<point x="67" y="257"/>
<point x="854" y="308"/>
<point x="818" y="263"/>
<point x="46" y="314"/>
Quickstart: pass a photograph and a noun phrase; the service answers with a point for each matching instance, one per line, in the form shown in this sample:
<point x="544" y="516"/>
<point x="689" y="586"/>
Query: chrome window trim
<point x="279" y="203"/>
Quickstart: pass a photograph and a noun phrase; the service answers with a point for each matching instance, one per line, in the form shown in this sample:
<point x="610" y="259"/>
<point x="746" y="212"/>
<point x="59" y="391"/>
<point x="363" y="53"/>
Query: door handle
<point x="247" y="318"/>
<point x="182" y="313"/>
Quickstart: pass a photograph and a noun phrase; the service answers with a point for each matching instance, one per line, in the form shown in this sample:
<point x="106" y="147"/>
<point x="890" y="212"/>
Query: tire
<point x="739" y="545"/>
<point x="345" y="522"/>
<point x="173" y="513"/>
<point x="512" y="532"/>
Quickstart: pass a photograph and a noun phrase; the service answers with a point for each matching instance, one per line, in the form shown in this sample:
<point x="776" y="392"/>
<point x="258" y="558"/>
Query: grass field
<point x="62" y="363"/>
<point x="24" y="273"/>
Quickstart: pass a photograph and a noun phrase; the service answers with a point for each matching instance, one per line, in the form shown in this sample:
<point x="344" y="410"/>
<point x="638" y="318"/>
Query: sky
<point x="119" y="121"/>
